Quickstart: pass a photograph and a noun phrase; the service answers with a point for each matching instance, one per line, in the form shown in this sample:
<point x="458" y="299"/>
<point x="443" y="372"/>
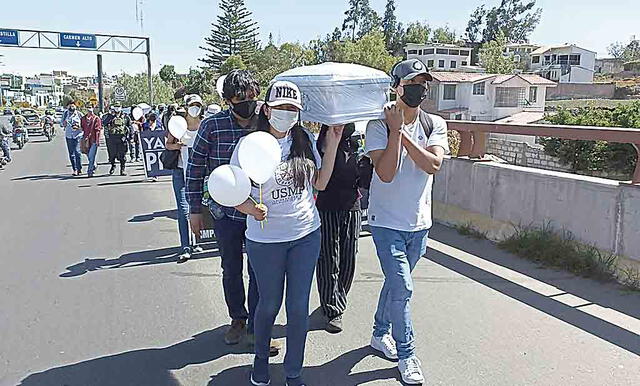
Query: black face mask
<point x="245" y="110"/>
<point x="414" y="94"/>
<point x="72" y="109"/>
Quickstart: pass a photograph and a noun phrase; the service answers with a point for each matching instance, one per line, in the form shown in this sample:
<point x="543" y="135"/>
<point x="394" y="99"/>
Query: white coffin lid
<point x="332" y="74"/>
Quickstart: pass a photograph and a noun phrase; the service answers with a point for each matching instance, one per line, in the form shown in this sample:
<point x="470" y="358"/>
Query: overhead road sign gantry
<point x="55" y="40"/>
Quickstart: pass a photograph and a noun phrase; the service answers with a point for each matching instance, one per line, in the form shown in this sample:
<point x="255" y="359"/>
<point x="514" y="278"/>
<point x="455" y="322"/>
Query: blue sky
<point x="177" y="28"/>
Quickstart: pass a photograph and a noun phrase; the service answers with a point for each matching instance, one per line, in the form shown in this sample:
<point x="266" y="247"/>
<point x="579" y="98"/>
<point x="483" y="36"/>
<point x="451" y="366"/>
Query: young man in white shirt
<point x="407" y="149"/>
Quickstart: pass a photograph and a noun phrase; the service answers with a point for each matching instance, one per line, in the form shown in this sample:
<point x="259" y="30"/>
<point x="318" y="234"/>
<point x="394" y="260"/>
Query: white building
<point x="486" y="97"/>
<point x="522" y="49"/>
<point x="564" y="64"/>
<point x="440" y="57"/>
<point x="63" y="78"/>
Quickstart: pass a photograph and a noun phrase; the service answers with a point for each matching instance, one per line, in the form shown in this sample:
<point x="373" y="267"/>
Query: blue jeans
<point x="273" y="263"/>
<point x="5" y="147"/>
<point x="93" y="150"/>
<point x="183" y="208"/>
<point x="230" y="238"/>
<point x="73" y="147"/>
<point x="398" y="252"/>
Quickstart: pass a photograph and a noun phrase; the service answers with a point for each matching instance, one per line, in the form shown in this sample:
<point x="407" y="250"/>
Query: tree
<point x="516" y="19"/>
<point x="492" y="57"/>
<point x="444" y="35"/>
<point x="369" y="51"/>
<point x="370" y="23"/>
<point x="235" y="33"/>
<point x="390" y="25"/>
<point x="360" y="19"/>
<point x="137" y="89"/>
<point x="272" y="60"/>
<point x="626" y="52"/>
<point x="324" y="50"/>
<point x="475" y="24"/>
<point x="416" y="32"/>
<point x="233" y="62"/>
<point x="169" y="75"/>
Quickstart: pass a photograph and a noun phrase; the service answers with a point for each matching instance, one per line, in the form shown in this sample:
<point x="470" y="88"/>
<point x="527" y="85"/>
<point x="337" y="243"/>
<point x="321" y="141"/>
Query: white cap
<point x="213" y="109"/>
<point x="284" y="93"/>
<point x="192" y="98"/>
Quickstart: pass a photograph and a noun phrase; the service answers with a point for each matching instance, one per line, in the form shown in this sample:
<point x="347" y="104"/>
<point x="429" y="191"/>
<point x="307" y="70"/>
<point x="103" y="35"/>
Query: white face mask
<point x="194" y="111"/>
<point x="283" y="120"/>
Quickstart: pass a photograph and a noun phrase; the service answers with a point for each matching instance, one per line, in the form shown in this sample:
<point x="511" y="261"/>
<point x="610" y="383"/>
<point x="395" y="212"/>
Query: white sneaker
<point x="386" y="345"/>
<point x="411" y="371"/>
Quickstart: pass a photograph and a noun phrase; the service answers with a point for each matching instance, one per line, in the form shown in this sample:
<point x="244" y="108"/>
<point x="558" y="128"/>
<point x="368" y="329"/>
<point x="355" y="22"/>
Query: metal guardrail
<point x="473" y="136"/>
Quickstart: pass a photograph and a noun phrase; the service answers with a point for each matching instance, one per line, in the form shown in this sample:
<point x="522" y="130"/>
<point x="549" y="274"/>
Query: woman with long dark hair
<point x="339" y="206"/>
<point x="287" y="246"/>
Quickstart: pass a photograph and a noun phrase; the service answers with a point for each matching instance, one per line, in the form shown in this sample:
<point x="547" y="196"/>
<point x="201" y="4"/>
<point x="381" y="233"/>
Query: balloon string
<point x="261" y="222"/>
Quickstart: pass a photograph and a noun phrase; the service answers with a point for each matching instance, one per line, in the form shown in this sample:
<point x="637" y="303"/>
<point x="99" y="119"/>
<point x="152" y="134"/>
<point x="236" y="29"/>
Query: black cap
<point x="409" y="69"/>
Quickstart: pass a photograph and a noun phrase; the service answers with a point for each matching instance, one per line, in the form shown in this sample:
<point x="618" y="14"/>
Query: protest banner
<point x="152" y="143"/>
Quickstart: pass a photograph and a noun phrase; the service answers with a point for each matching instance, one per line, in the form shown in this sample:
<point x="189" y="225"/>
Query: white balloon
<point x="177" y="126"/>
<point x="137" y="113"/>
<point x="229" y="185"/>
<point x="259" y="155"/>
<point x="219" y="84"/>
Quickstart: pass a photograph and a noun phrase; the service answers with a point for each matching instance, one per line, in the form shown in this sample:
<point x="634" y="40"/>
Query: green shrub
<point x="586" y="156"/>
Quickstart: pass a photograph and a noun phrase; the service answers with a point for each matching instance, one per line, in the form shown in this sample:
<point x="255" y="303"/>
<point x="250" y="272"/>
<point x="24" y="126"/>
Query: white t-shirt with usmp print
<point x="404" y="204"/>
<point x="292" y="212"/>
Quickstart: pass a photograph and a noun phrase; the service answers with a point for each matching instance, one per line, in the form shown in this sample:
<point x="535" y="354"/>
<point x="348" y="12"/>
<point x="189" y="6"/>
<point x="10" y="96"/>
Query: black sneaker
<point x="184" y="256"/>
<point x="295" y="382"/>
<point x="334" y="326"/>
<point x="112" y="170"/>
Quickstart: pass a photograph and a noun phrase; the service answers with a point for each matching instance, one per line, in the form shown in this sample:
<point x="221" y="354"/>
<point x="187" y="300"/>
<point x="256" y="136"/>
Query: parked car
<point x="33" y="120"/>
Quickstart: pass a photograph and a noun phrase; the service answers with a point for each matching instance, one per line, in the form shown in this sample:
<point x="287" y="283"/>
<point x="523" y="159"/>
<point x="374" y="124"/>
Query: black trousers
<point x="117" y="149"/>
<point x="337" y="263"/>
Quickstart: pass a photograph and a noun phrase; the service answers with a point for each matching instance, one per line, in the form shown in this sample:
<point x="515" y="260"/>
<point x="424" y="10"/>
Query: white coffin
<point x="338" y="93"/>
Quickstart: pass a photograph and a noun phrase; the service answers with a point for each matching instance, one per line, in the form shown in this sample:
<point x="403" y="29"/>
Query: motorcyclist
<point x="5" y="135"/>
<point x="18" y="122"/>
<point x="48" y="122"/>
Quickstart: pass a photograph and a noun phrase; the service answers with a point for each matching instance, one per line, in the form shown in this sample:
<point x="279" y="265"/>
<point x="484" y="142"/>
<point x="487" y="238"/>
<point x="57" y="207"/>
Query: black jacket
<point x="342" y="190"/>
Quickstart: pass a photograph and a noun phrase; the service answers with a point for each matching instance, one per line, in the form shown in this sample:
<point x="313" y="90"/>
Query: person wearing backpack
<point x="407" y="148"/>
<point x="117" y="141"/>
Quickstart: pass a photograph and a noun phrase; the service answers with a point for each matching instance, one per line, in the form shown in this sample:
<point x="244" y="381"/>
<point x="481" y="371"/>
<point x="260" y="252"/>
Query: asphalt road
<point x="90" y="294"/>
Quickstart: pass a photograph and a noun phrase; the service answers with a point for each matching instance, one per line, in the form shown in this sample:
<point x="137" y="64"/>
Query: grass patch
<point x="630" y="278"/>
<point x="469" y="230"/>
<point x="560" y="249"/>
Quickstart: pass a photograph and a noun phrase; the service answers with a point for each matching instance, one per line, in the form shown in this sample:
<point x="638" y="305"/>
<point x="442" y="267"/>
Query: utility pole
<point x="100" y="86"/>
<point x="149" y="80"/>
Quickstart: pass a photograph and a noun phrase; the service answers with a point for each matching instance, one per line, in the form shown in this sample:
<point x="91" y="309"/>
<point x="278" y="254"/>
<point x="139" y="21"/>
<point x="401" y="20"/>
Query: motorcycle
<point x="19" y="137"/>
<point x="48" y="129"/>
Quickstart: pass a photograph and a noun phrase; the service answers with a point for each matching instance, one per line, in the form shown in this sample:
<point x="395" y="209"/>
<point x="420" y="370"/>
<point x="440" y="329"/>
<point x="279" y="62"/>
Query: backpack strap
<point x="427" y="122"/>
